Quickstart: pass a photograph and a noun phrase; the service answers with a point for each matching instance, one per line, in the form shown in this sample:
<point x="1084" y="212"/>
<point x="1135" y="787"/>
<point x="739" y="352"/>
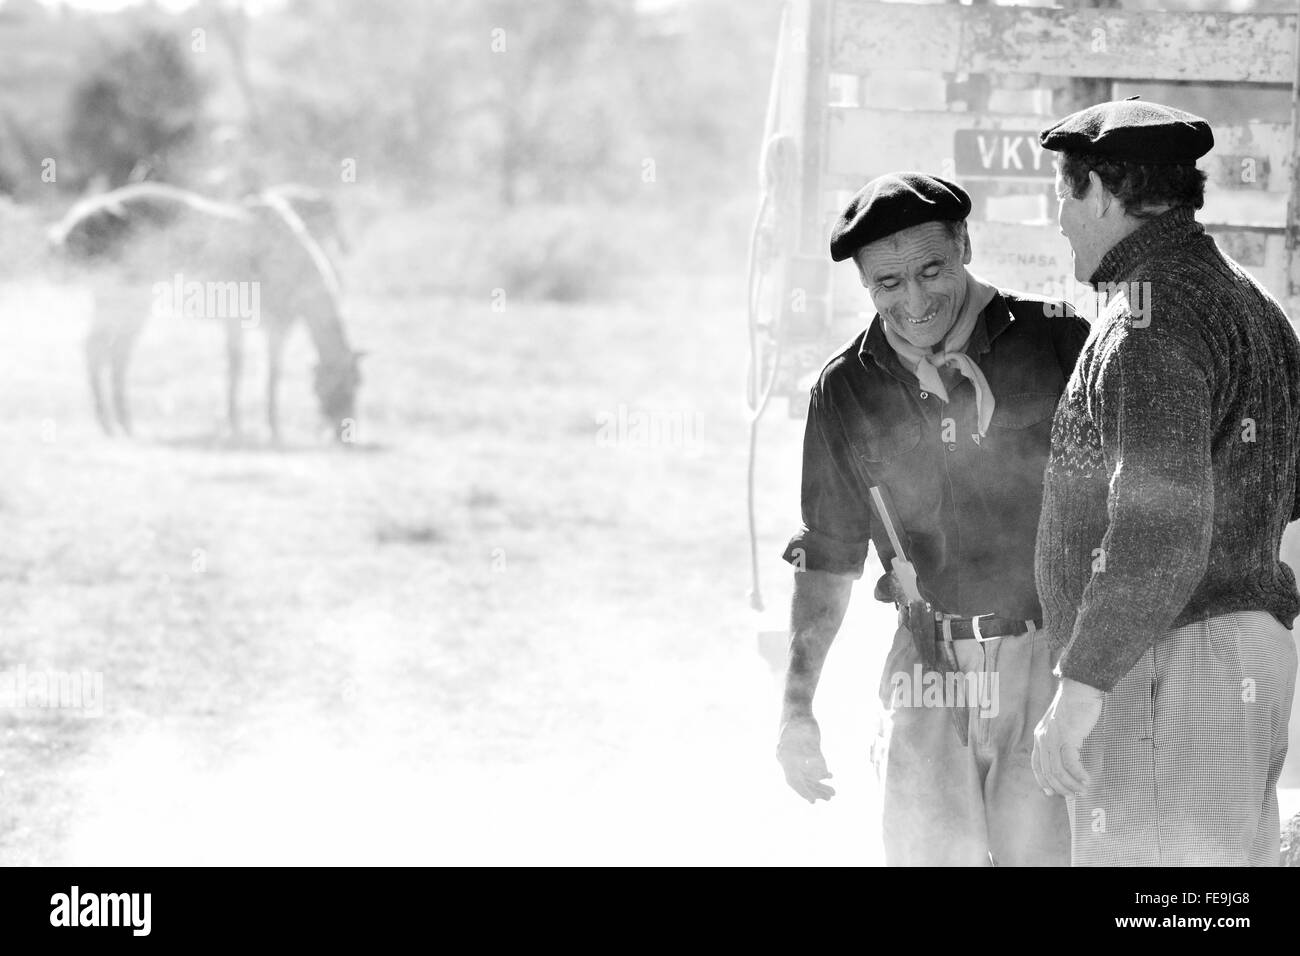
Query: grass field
<point x="501" y="629"/>
<point x="508" y="626"/>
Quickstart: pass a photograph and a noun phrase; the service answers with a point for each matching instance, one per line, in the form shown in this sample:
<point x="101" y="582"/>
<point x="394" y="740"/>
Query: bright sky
<point x="254" y="7"/>
<point x="108" y="5"/>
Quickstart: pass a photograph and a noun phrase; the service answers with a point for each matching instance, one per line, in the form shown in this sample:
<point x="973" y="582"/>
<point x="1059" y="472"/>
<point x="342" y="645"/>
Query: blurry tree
<point x="231" y="22"/>
<point x="446" y="92"/>
<point x="346" y="88"/>
<point x="18" y="155"/>
<point x="591" y="97"/>
<point x="135" y="109"/>
<point x="560" y="101"/>
<point x="556" y="83"/>
<point x="702" y="92"/>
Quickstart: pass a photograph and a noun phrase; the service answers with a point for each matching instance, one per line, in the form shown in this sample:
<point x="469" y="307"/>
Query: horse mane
<point x="276" y="199"/>
<point x="327" y="330"/>
<point x="114" y="203"/>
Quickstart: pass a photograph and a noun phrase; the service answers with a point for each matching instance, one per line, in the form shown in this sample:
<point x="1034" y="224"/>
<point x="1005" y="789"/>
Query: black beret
<point x="1134" y="131"/>
<point x="893" y="202"/>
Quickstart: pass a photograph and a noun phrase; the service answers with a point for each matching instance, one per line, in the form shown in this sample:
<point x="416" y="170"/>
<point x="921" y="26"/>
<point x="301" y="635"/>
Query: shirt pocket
<point x="1024" y="409"/>
<point x="882" y="444"/>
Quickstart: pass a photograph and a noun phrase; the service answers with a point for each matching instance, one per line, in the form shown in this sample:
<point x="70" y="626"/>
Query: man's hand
<point x="820" y="600"/>
<point x="800" y="752"/>
<point x="1059" y="737"/>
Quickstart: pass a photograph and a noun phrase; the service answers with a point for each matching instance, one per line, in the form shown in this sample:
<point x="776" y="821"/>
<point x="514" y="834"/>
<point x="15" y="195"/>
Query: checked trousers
<point x="1186" y="754"/>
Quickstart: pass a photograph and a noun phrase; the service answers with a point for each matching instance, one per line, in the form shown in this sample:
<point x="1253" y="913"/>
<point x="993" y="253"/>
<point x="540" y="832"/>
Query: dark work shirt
<point x="969" y="505"/>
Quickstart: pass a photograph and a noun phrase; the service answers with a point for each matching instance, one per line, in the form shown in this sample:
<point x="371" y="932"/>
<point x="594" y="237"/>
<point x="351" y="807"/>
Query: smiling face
<point x="917" y="280"/>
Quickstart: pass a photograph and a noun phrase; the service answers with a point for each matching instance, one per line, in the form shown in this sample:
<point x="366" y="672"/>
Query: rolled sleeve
<point x="811" y="550"/>
<point x="836" y="532"/>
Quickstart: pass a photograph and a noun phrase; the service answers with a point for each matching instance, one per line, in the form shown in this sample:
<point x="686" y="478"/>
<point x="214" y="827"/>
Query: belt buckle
<point x="975" y="628"/>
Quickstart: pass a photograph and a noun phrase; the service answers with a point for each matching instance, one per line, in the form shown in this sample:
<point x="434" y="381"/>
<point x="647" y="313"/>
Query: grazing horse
<point x="256" y="263"/>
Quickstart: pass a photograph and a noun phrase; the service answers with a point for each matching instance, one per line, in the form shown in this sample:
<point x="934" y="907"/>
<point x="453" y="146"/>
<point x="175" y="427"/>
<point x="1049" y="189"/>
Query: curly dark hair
<point x="1136" y="185"/>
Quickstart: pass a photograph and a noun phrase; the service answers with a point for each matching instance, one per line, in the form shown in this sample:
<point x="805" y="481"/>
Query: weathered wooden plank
<point x="1086" y="42"/>
<point x="1250" y="247"/>
<point x="810" y="50"/>
<point x="861" y="143"/>
<point x="1029" y="258"/>
<point x="1232" y="207"/>
<point x="1234" y="146"/>
<point x="868" y="142"/>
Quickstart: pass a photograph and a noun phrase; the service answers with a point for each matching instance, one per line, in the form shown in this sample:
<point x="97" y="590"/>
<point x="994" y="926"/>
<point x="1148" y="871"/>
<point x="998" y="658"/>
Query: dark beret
<point x="893" y="202"/>
<point x="1134" y="131"/>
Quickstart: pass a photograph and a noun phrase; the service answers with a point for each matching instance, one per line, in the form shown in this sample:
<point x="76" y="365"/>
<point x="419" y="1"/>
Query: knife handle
<point x="906" y="575"/>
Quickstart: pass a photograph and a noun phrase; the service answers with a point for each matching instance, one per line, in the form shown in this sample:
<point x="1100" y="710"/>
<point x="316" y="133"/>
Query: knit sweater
<point x="1174" y="451"/>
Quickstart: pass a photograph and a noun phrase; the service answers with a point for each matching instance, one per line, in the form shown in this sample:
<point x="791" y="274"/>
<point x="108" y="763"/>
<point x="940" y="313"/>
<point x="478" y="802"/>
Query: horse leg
<point x="234" y="372"/>
<point x="275" y="337"/>
<point x="119" y="357"/>
<point x="117" y="380"/>
<point x="97" y="346"/>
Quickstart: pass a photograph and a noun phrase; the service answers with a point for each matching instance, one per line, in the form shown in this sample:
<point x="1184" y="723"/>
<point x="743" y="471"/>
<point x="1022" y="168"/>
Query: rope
<point x="776" y="169"/>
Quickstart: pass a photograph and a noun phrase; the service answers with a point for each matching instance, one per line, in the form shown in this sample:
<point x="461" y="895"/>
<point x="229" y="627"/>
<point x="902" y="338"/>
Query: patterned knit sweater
<point x="1174" y="454"/>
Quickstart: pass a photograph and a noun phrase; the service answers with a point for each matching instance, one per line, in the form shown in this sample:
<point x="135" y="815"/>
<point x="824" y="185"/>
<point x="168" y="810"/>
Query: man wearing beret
<point x="944" y="402"/>
<point x="1171" y="479"/>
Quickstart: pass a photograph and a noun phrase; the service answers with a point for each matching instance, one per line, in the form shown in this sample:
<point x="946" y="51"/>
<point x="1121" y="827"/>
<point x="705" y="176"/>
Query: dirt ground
<point x="501" y="628"/>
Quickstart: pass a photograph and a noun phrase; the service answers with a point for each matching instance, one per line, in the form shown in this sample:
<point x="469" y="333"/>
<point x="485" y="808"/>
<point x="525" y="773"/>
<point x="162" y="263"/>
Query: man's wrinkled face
<point x="1077" y="224"/>
<point x="917" y="280"/>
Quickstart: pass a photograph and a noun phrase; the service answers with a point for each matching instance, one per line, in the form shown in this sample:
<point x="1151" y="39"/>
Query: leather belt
<point x="984" y="627"/>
